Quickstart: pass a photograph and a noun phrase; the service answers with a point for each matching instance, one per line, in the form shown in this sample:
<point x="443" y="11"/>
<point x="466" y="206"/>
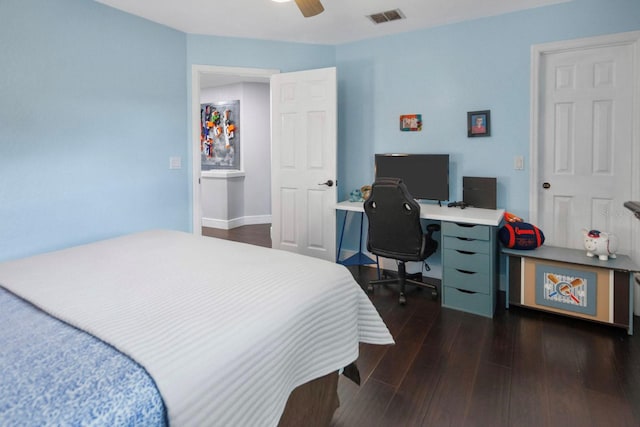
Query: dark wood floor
<point x="258" y="234"/>
<point x="521" y="368"/>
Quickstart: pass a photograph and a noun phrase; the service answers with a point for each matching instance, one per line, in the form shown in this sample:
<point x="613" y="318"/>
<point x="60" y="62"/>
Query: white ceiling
<point x="342" y="21"/>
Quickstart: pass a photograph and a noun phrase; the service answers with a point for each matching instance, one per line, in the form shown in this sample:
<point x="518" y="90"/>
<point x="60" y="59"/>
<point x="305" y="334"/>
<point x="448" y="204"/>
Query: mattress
<point x="225" y="329"/>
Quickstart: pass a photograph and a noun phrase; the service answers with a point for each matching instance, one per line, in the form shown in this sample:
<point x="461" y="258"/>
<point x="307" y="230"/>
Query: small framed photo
<point x="411" y="122"/>
<point x="478" y="123"/>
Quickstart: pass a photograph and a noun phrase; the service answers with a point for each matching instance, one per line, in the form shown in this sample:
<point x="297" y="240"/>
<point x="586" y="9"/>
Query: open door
<point x="304" y="162"/>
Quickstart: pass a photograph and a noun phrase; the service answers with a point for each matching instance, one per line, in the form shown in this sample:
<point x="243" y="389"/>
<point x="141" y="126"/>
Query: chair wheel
<point x="402" y="300"/>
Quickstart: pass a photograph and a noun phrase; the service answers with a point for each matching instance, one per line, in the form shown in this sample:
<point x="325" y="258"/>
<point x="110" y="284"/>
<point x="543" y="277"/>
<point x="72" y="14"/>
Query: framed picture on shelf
<point x="478" y="123"/>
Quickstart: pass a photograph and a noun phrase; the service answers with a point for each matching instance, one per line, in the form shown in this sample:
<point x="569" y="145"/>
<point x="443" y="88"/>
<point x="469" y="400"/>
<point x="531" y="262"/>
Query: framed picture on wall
<point x="478" y="123"/>
<point x="220" y="135"/>
<point x="411" y="122"/>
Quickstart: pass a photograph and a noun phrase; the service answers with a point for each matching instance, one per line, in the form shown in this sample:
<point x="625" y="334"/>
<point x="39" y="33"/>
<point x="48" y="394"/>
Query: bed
<point x="167" y="328"/>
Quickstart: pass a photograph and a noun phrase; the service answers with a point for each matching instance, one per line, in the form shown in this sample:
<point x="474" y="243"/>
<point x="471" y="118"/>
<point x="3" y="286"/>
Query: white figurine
<point x="600" y="244"/>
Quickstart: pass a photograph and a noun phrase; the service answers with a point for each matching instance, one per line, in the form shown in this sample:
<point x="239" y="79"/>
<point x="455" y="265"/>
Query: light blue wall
<point x="93" y="102"/>
<point x="92" y="105"/>
<point x="443" y="73"/>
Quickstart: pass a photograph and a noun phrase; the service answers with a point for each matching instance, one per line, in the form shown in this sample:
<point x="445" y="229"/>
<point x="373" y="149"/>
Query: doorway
<point x="203" y="76"/>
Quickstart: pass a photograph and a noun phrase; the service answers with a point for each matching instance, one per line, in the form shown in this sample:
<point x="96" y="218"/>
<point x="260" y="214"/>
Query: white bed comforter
<point x="227" y="330"/>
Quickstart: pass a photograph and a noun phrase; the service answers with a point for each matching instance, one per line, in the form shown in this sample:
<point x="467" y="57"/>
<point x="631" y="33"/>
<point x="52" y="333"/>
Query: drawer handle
<point x="465" y="225"/>
<point x="465" y="252"/>
<point x="465" y="271"/>
<point x="466" y="239"/>
<point x="464" y="291"/>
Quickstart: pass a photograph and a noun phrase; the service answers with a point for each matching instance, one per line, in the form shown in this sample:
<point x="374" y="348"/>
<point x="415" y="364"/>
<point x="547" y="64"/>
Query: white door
<point x="303" y="162"/>
<point x="585" y="151"/>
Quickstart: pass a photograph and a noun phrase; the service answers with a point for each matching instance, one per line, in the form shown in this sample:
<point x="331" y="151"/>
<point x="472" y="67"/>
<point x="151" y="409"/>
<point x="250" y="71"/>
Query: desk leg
<point x="359" y="258"/>
<point x="344" y="224"/>
<point x="360" y="246"/>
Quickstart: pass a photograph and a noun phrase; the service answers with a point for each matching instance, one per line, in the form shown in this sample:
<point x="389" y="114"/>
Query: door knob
<point x="329" y="183"/>
<point x="546" y="186"/>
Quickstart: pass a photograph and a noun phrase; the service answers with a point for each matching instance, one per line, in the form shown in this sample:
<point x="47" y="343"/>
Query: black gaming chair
<point x="395" y="232"/>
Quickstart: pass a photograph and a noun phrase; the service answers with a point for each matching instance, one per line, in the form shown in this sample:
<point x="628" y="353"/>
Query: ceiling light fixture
<point x="307" y="7"/>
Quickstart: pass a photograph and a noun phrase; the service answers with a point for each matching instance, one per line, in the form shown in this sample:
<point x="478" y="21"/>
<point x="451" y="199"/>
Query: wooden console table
<point x="568" y="282"/>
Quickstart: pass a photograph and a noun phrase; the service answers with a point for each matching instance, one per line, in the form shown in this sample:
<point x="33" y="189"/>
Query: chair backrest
<point x="394" y="222"/>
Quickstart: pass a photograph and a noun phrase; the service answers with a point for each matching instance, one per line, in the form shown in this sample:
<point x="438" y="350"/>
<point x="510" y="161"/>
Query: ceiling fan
<point x="310" y="7"/>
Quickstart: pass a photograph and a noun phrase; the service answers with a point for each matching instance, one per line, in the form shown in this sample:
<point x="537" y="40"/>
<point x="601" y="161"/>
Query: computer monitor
<point x="425" y="175"/>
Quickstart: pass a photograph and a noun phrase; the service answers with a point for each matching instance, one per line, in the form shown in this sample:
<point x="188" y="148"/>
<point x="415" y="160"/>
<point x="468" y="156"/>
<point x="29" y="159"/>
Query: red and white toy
<point x="600" y="244"/>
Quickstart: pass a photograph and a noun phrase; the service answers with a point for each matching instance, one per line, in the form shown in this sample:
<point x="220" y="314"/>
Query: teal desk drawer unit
<point x="469" y="278"/>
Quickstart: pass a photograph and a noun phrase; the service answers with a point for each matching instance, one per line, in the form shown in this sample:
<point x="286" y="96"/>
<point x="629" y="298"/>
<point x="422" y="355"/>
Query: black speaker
<point x="479" y="192"/>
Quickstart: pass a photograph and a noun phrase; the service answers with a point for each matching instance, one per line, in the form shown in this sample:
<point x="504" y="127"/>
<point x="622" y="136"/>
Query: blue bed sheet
<point x="54" y="374"/>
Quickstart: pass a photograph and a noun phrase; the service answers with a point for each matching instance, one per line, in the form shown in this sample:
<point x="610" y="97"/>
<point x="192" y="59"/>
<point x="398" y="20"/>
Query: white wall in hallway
<point x="251" y="204"/>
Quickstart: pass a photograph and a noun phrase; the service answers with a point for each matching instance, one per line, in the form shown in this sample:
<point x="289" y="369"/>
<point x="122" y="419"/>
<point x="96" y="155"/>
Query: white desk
<point x="476" y="216"/>
<point x="469" y="215"/>
<point x="469" y="253"/>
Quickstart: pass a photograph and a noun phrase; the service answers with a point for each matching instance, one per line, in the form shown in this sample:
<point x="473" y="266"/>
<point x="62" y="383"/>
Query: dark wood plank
<point x="528" y="405"/>
<point x="595" y="354"/>
<point x="566" y="397"/>
<point x="457" y="375"/>
<point x="396" y="361"/>
<point x="367" y="407"/>
<point x="347" y="389"/>
<point x="498" y="348"/>
<point x="607" y="410"/>
<point x="490" y="391"/>
<point x="255" y="234"/>
<point x="411" y="401"/>
<point x="627" y="356"/>
<point x="369" y="358"/>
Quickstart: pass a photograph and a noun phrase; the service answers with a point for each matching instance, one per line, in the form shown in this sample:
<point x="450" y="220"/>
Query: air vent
<point x="390" y="15"/>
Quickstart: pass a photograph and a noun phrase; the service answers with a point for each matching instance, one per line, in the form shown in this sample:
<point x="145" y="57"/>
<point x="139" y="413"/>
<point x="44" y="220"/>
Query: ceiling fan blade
<point x="310" y="7"/>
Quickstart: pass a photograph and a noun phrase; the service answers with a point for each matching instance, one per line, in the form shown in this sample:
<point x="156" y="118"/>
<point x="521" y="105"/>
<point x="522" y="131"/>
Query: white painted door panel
<point x="586" y="130"/>
<point x="303" y="157"/>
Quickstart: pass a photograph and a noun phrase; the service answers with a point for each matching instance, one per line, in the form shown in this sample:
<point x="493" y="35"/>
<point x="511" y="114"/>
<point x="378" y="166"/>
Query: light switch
<point x="518" y="163"/>
<point x="175" y="162"/>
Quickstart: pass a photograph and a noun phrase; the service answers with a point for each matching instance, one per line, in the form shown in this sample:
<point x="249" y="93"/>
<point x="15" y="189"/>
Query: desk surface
<point x="443" y="213"/>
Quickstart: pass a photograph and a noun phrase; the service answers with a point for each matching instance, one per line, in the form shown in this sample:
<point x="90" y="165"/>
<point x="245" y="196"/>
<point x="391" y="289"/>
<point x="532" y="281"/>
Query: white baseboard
<point x="236" y="222"/>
